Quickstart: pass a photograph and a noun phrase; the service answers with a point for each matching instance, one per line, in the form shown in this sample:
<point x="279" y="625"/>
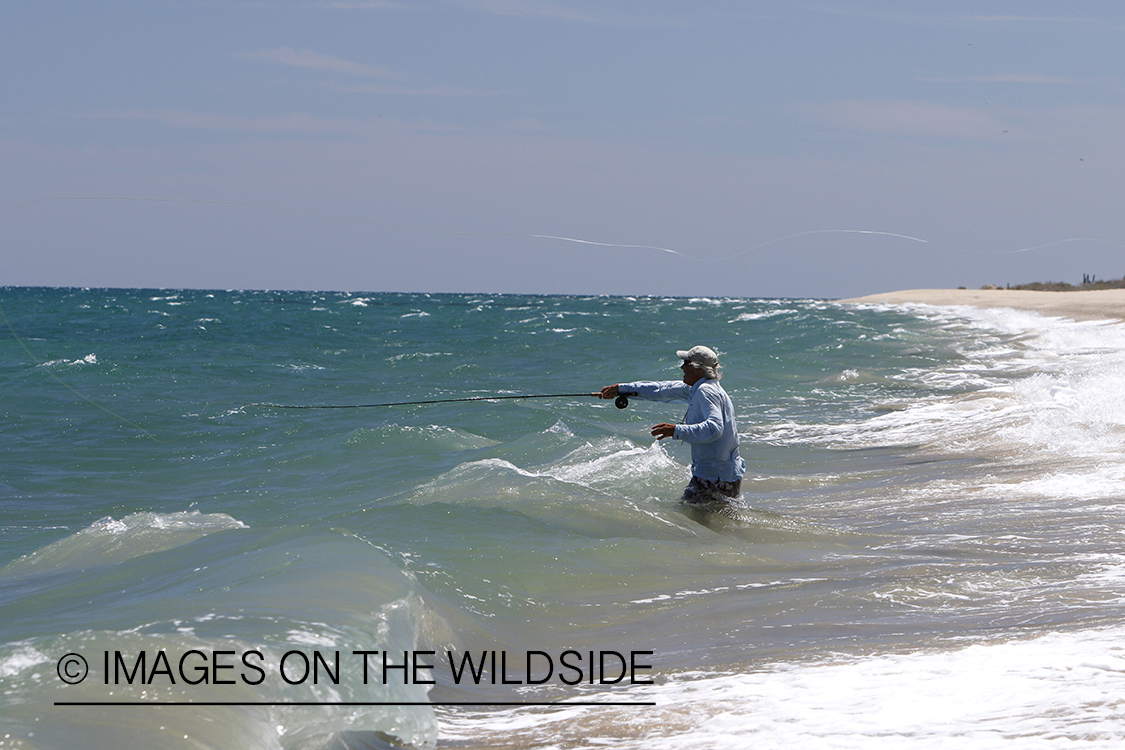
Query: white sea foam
<point x="1028" y="385"/>
<point x="20" y="659"/>
<point x="89" y="359"/>
<point x="625" y="466"/>
<point x="747" y="317"/>
<point x="110" y="540"/>
<point x="1060" y="690"/>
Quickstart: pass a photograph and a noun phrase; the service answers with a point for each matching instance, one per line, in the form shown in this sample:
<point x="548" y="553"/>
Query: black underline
<point x="353" y="703"/>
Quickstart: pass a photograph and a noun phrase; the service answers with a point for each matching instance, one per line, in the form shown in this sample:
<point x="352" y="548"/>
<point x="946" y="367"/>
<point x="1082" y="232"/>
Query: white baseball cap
<point x="700" y="355"/>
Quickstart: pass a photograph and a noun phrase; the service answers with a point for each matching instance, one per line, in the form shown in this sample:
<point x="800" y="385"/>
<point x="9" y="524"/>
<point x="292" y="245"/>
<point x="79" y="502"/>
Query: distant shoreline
<point x="1102" y="304"/>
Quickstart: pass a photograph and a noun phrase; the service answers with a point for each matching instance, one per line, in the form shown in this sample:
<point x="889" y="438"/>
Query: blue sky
<point x="428" y="145"/>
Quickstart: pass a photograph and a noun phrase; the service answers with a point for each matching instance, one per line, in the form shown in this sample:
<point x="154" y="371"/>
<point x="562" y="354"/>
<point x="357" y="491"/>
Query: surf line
<point x="355" y="703"/>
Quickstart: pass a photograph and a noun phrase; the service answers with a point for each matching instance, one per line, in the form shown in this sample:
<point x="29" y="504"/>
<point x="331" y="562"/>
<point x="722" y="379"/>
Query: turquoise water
<point x="926" y="551"/>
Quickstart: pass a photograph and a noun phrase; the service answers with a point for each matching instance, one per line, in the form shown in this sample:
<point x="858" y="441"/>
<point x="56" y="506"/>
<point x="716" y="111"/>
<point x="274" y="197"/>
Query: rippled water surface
<point x="927" y="551"/>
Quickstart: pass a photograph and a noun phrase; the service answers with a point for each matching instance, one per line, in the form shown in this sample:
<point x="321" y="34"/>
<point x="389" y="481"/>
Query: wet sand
<point x="1106" y="304"/>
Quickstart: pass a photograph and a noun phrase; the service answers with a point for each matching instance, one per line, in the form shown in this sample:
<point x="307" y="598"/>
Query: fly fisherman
<point x="708" y="426"/>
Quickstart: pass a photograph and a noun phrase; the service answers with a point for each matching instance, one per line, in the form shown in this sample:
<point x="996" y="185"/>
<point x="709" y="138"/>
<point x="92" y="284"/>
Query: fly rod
<point x="620" y="402"/>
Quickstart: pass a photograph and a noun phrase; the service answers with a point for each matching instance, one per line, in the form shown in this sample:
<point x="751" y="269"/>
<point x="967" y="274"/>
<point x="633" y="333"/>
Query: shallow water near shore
<point x="926" y="552"/>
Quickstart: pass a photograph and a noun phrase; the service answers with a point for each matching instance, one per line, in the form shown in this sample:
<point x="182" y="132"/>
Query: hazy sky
<point x="418" y="145"/>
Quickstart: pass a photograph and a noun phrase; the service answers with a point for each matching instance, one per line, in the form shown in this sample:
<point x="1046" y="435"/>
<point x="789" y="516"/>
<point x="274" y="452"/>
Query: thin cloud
<point x="439" y="91"/>
<point x="898" y="16"/>
<point x="528" y="124"/>
<point x="1095" y="128"/>
<point x="294" y="123"/>
<point x="594" y="13"/>
<point x="1003" y="78"/>
<point x="291" y="123"/>
<point x="514" y="8"/>
<point x="316" y="61"/>
<point x="1029" y="19"/>
<point x="368" y="5"/>
<point x="544" y="9"/>
<point x="536" y="9"/>
<point x="912" y="118"/>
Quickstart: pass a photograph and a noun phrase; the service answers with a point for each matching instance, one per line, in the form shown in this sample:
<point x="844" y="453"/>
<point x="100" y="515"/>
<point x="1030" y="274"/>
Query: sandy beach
<point x="1106" y="304"/>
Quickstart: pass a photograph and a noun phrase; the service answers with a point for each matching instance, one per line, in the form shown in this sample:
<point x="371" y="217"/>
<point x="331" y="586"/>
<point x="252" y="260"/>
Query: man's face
<point x="692" y="374"/>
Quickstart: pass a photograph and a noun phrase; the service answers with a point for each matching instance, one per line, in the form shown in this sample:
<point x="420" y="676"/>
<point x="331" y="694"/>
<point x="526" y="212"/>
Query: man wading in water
<point x="708" y="426"/>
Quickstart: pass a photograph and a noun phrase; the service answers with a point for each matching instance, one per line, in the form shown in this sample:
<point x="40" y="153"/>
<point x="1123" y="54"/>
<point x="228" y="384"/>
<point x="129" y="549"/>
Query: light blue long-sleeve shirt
<point x="708" y="426"/>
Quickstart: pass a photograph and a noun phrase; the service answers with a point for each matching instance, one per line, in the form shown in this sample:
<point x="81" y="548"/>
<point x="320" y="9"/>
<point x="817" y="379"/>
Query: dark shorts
<point x="703" y="490"/>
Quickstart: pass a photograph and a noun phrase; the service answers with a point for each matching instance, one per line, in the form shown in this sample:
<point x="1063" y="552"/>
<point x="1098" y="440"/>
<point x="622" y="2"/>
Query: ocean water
<point x="928" y="552"/>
